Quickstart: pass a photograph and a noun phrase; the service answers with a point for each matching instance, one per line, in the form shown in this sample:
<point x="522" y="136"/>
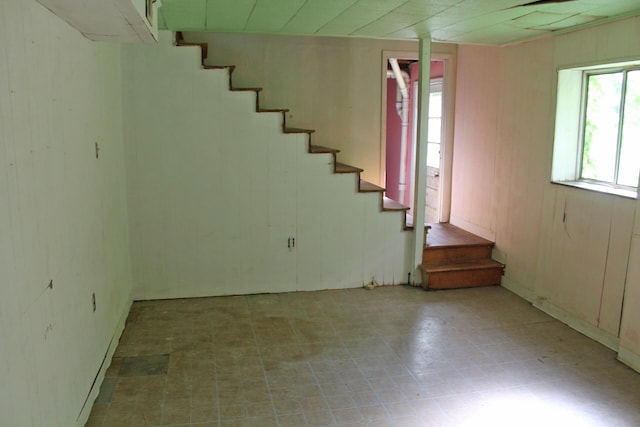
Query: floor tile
<point x="395" y="356"/>
<point x="144" y="365"/>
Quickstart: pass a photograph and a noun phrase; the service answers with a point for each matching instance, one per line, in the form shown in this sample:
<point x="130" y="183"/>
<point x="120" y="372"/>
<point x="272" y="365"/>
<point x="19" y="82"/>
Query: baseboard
<point x="629" y="358"/>
<point x="605" y="338"/>
<point x="521" y="291"/>
<point x="113" y="344"/>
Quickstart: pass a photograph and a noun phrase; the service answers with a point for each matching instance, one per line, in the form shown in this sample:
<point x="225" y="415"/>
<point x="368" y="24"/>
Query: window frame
<point x="570" y="126"/>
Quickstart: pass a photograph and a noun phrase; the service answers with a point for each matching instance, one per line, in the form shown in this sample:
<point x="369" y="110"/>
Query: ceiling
<point x="493" y="22"/>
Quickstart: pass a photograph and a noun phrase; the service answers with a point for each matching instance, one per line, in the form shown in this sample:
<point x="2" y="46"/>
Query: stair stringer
<point x="213" y="198"/>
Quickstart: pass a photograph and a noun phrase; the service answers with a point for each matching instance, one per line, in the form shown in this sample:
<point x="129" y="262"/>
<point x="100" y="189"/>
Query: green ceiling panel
<point x="566" y="23"/>
<point x="615" y="8"/>
<point x="225" y="16"/>
<point x="461" y="21"/>
<point x="503" y="34"/>
<point x="350" y="21"/>
<point x="538" y="19"/>
<point x="380" y="5"/>
<point x="184" y="15"/>
<point x="310" y="19"/>
<point x="272" y="15"/>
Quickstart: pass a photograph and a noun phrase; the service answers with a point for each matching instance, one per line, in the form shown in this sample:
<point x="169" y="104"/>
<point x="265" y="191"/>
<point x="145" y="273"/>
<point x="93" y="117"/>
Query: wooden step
<point x="246" y="89"/>
<point x="368" y="187"/>
<point x="456" y="253"/>
<point x="391" y="205"/>
<point x="298" y="130"/>
<point x="272" y="110"/>
<point x="319" y="149"/>
<point x="344" y="168"/>
<point x="462" y="274"/>
<point x="445" y="234"/>
<point x="454" y="258"/>
<point x="219" y="67"/>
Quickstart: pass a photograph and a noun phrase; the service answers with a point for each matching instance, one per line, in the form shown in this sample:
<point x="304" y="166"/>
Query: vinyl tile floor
<point x="391" y="356"/>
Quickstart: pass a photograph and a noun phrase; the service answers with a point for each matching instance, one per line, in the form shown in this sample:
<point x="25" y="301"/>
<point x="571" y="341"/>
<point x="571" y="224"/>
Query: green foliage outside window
<point x="611" y="140"/>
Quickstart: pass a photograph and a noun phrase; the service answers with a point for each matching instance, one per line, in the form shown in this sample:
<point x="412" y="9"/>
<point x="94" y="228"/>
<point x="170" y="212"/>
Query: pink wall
<point x="437" y="69"/>
<point x="393" y="142"/>
<point x="394" y="129"/>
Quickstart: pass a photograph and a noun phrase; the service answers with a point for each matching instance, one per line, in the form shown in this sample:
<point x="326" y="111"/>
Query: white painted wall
<point x="62" y="216"/>
<point x="566" y="249"/>
<point x="116" y="21"/>
<point x="630" y="328"/>
<point x="216" y="189"/>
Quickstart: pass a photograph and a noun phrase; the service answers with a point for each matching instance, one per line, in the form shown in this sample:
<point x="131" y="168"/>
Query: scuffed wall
<point x="217" y="192"/>
<point x="63" y="223"/>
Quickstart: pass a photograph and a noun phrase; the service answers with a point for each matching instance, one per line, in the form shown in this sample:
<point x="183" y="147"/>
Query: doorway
<point x="399" y="118"/>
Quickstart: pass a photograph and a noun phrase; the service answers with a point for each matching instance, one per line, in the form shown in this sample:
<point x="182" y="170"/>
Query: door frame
<point x="448" y="101"/>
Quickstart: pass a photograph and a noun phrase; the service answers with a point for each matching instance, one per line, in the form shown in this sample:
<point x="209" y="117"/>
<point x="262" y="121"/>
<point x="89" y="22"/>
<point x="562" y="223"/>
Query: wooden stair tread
<point x="298" y="130"/>
<point x="364" y="186"/>
<point x="480" y="264"/>
<point x="219" y="67"/>
<point x="318" y="149"/>
<point x="344" y="168"/>
<point x="368" y="187"/>
<point x="273" y="110"/>
<point x="448" y="235"/>
<point x="391" y="205"/>
<point x="246" y="89"/>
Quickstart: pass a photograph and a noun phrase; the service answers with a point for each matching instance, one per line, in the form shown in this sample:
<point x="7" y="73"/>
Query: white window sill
<point x="600" y="188"/>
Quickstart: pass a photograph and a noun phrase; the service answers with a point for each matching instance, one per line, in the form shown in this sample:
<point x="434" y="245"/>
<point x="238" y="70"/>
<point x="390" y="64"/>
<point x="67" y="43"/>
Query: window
<point x="435" y="123"/>
<point x="598" y="117"/>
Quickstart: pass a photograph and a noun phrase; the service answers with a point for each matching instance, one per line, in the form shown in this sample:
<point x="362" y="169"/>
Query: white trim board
<point x="83" y="417"/>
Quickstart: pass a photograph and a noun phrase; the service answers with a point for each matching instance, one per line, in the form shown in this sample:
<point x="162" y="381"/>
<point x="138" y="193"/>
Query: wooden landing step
<point x="454" y="258"/>
<point x="462" y="274"/>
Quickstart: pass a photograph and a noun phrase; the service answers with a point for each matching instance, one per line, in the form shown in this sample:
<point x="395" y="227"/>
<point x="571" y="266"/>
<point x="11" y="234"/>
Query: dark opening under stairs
<point x="386" y="204"/>
<point x="454" y="258"/>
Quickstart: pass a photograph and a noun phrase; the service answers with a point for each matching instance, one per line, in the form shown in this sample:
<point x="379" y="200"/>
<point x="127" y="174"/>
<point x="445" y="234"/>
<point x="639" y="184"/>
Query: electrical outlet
<point x="93" y="301"/>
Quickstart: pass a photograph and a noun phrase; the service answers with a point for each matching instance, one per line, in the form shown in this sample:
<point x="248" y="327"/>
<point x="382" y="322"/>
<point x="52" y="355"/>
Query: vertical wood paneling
<point x="565" y="248"/>
<point x="62" y="215"/>
<point x="215" y="194"/>
<point x="616" y="268"/>
<point x="474" y="152"/>
<point x="630" y="326"/>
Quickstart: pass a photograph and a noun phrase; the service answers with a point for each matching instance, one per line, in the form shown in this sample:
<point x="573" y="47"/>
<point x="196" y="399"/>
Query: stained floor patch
<point x="106" y="390"/>
<point x="144" y="365"/>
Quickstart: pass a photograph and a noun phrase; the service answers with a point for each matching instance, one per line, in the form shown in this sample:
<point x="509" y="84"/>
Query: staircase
<point x="453" y="258"/>
<point x="386" y="204"/>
